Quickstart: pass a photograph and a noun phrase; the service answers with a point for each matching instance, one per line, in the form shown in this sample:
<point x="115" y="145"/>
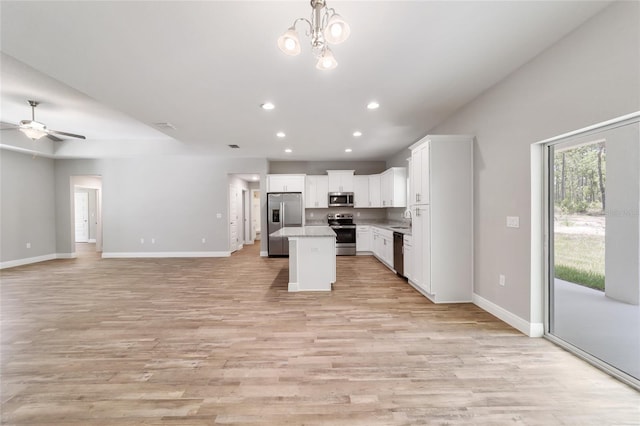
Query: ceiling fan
<point x="36" y="130"/>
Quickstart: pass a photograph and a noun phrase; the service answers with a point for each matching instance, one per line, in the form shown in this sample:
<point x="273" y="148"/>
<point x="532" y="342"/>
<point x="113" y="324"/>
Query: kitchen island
<point x="312" y="257"/>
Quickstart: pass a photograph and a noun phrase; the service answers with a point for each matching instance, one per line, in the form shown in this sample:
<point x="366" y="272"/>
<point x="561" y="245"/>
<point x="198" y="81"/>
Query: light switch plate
<point x="513" y="221"/>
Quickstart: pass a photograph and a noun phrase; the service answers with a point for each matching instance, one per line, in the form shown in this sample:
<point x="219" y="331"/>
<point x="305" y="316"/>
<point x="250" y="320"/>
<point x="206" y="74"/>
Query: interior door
<point x="82" y="217"/>
<point x="234" y="195"/>
<point x="255" y="214"/>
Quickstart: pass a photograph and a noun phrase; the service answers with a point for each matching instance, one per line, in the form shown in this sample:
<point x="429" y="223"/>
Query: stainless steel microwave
<point x="341" y="199"/>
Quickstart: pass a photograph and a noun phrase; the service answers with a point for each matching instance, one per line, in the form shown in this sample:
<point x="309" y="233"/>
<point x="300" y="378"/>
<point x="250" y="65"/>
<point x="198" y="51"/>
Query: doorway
<point x="86" y="212"/>
<point x="244" y="213"/>
<point x="593" y="246"/>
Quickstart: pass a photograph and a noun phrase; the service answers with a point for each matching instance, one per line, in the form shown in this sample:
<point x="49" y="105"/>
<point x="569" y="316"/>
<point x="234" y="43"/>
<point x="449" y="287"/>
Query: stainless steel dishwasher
<point x="398" y="253"/>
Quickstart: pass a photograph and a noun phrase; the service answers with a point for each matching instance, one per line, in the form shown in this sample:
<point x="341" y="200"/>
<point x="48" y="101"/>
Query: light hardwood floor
<point x="221" y="341"/>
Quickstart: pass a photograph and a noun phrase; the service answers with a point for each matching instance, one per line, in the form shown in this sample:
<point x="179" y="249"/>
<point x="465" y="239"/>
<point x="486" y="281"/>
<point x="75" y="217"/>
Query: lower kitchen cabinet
<point x="407" y="250"/>
<point x="363" y="238"/>
<point x="383" y="245"/>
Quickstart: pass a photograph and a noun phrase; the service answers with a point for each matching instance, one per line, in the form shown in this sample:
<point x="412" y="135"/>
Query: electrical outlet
<point x="153" y="241"/>
<point x="502" y="280"/>
<point x="141" y="240"/>
<point x="204" y="240"/>
<point x="311" y="214"/>
<point x="513" y="221"/>
<point x="28" y="245"/>
<point x="357" y="214"/>
<point x="218" y="215"/>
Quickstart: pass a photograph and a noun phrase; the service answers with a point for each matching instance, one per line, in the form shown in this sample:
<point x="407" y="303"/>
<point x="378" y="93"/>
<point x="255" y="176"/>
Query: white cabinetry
<point x="361" y="191"/>
<point x="340" y="180"/>
<point x="419" y="187"/>
<point x="407" y="250"/>
<point x="285" y="183"/>
<point x="374" y="191"/>
<point x="383" y="245"/>
<point x="442" y="217"/>
<point x="363" y="238"/>
<point x="316" y="191"/>
<point x="393" y="187"/>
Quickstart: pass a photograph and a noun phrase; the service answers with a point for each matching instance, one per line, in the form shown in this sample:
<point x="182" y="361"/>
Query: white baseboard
<point x="132" y="255"/>
<point x="264" y="253"/>
<point x="526" y="327"/>
<point x="36" y="259"/>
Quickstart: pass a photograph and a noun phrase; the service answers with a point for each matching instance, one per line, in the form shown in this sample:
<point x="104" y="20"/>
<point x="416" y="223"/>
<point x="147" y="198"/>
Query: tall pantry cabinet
<point x="441" y="204"/>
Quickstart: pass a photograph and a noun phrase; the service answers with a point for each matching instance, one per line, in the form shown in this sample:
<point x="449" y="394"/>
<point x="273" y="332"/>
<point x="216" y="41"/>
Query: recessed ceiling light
<point x="373" y="105"/>
<point x="347" y="150"/>
<point x="288" y="151"/>
<point x="281" y="134"/>
<point x="255" y="178"/>
<point x="267" y="106"/>
<point x="357" y="133"/>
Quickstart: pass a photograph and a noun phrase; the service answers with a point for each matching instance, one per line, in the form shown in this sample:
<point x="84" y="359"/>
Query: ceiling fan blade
<point x="54" y="138"/>
<point x="71" y="135"/>
<point x="7" y="126"/>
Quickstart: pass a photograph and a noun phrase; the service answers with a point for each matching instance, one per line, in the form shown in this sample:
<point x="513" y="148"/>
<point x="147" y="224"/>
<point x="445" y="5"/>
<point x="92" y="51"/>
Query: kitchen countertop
<point x="394" y="226"/>
<point x="305" y="231"/>
<point x="385" y="224"/>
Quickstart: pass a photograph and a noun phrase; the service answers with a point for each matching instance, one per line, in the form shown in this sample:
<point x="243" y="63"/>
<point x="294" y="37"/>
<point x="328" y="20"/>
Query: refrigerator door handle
<point x="284" y="215"/>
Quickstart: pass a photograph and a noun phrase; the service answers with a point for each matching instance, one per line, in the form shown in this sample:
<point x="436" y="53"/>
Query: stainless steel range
<point x="342" y="224"/>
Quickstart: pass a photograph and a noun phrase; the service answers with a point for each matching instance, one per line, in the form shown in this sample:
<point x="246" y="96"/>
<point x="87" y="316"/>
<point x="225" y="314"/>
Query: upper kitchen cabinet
<point x="419" y="187"/>
<point x="374" y="191"/>
<point x="316" y="191"/>
<point x="341" y="180"/>
<point x="393" y="187"/>
<point x="285" y="183"/>
<point x="361" y="191"/>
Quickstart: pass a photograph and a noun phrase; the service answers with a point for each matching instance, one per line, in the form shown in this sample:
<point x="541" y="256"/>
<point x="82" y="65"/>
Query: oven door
<point x="345" y="240"/>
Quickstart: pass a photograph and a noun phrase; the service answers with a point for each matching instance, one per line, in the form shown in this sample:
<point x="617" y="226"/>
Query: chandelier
<point x="325" y="27"/>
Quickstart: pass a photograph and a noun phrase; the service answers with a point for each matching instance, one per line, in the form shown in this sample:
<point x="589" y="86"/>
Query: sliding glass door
<point x="594" y="246"/>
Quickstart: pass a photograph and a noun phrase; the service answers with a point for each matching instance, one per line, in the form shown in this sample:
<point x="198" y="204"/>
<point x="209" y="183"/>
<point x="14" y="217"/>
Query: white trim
<point x="432" y="297"/>
<point x="131" y="255"/>
<point x="264" y="254"/>
<point x="67" y="255"/>
<point x="36" y="259"/>
<point x="596" y="126"/>
<point x="530" y="329"/>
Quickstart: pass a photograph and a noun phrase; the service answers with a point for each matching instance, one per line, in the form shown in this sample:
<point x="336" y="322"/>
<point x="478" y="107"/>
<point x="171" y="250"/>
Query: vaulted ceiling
<point x="113" y="70"/>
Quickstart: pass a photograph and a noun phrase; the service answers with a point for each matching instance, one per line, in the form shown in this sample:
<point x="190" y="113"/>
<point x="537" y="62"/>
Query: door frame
<point x="90" y="182"/>
<point x="541" y="232"/>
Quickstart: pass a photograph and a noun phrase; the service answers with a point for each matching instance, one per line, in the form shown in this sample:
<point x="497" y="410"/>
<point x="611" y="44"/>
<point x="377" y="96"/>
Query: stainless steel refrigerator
<point x="283" y="209"/>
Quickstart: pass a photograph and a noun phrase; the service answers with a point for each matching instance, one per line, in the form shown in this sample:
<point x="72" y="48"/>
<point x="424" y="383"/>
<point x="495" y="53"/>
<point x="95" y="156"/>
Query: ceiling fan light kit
<point x="325" y="27"/>
<point x="33" y="129"/>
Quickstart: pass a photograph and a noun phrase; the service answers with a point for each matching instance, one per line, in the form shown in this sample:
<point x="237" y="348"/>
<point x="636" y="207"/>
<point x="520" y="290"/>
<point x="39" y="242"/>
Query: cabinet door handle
<point x="417" y="197"/>
<point x="417" y="212"/>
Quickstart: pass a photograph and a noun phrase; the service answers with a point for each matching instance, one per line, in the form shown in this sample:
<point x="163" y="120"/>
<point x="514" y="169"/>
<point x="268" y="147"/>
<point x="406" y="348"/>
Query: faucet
<point x="404" y="215"/>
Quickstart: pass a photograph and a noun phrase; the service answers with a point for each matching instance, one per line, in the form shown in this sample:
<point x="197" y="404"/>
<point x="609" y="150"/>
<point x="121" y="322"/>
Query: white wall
<point x="174" y="200"/>
<point x="590" y="76"/>
<point x="27" y="213"/>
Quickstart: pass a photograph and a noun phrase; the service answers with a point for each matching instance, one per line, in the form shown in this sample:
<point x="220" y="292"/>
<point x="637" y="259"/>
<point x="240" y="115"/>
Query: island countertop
<point x="304" y="231"/>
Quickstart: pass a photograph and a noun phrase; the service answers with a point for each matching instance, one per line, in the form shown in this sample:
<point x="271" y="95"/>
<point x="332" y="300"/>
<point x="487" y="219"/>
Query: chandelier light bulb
<point x="337" y="30"/>
<point x="289" y="42"/>
<point x="326" y="60"/>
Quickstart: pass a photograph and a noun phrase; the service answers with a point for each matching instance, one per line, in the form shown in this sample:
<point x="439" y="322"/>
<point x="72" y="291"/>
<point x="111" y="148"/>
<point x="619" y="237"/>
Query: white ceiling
<point x="110" y="70"/>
